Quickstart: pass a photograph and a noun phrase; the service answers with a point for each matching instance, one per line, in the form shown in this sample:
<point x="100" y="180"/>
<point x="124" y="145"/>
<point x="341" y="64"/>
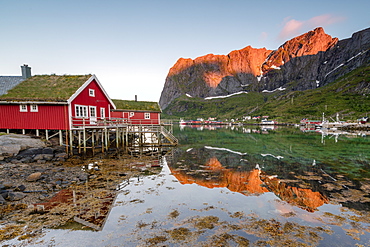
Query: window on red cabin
<point x="102" y="112"/>
<point x="92" y="92"/>
<point x="34" y="108"/>
<point x="23" y="108"/>
<point x="132" y="114"/>
<point x="81" y="111"/>
<point x="147" y="115"/>
<point x="92" y="111"/>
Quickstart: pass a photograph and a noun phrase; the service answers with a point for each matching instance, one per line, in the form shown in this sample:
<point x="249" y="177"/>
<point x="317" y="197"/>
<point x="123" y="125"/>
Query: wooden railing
<point x="97" y="122"/>
<point x="164" y="129"/>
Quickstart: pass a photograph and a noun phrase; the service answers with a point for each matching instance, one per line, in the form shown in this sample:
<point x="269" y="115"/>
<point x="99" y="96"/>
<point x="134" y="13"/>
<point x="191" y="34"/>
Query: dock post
<point x="117" y="137"/>
<point x="60" y="137"/>
<point x="47" y="134"/>
<point x="102" y="140"/>
<point x="123" y="138"/>
<point x="107" y="139"/>
<point x="84" y="139"/>
<point x="79" y="141"/>
<point x="66" y="140"/>
<point x="71" y="142"/>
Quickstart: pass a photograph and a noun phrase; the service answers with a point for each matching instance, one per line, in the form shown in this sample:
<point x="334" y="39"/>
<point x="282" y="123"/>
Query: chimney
<point x="135" y="97"/>
<point x="26" y="71"/>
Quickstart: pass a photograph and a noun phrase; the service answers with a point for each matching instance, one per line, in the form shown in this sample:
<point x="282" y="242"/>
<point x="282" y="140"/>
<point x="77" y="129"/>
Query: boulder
<point x="34" y="177"/>
<point x="15" y="196"/>
<point x="11" y="144"/>
<point x="43" y="157"/>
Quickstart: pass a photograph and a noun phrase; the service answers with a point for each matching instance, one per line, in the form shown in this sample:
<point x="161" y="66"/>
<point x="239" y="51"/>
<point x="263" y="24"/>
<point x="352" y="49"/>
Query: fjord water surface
<point x="242" y="186"/>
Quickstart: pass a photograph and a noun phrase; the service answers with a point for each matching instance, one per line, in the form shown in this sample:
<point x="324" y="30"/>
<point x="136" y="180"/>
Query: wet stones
<point x="34" y="177"/>
<point x="40" y="155"/>
<point x="42" y="175"/>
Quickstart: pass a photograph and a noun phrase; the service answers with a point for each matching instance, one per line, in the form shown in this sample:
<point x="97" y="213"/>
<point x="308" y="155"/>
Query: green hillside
<point x="349" y="96"/>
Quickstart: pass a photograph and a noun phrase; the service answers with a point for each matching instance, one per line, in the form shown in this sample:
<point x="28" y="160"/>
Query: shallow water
<point x="241" y="187"/>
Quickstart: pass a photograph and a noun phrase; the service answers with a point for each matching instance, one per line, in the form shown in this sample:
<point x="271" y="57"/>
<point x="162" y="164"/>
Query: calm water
<point x="242" y="187"/>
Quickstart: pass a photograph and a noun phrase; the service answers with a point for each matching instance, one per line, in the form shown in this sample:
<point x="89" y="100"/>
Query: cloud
<point x="294" y="27"/>
<point x="291" y="28"/>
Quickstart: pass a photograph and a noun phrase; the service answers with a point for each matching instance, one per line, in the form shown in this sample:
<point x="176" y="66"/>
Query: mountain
<point x="309" y="61"/>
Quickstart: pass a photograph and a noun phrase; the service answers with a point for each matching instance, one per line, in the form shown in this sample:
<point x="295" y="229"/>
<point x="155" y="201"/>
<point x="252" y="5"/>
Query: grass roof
<point x="136" y="105"/>
<point x="46" y="88"/>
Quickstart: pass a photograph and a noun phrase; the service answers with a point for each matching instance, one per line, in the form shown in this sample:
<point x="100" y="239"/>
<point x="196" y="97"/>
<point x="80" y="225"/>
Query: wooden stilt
<point x="66" y="140"/>
<point x="84" y="139"/>
<point x="93" y="141"/>
<point x="47" y="135"/>
<point x="71" y="142"/>
<point x="107" y="140"/>
<point x="79" y="141"/>
<point x="102" y="140"/>
<point x="60" y="138"/>
<point x="23" y="131"/>
<point x="117" y="137"/>
<point x="37" y="133"/>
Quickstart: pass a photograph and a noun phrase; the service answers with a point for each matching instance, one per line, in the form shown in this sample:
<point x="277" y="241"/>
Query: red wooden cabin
<point x="137" y="112"/>
<point x="52" y="102"/>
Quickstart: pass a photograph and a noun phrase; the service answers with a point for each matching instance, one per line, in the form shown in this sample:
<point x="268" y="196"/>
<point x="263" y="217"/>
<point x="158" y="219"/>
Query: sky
<point x="131" y="45"/>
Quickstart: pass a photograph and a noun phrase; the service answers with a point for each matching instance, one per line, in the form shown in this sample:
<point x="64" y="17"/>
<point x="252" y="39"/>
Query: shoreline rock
<point x="12" y="144"/>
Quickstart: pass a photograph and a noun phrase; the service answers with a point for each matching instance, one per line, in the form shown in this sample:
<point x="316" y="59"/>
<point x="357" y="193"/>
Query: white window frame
<point x="23" y="108"/>
<point x="132" y="114"/>
<point x="102" y="112"/>
<point x="147" y="115"/>
<point x="91" y="92"/>
<point x="34" y="108"/>
<point x="92" y="111"/>
<point x="81" y="111"/>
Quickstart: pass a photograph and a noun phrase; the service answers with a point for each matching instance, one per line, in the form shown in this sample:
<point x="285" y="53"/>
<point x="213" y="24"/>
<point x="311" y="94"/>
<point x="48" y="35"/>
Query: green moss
<point x="46" y="88"/>
<point x="136" y="105"/>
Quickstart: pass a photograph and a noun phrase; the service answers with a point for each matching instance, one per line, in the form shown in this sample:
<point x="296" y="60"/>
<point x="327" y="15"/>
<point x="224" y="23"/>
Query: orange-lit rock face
<point x="213" y="68"/>
<point x="181" y="65"/>
<point x="253" y="61"/>
<point x="251" y="183"/>
<point x="306" y="44"/>
<point x="212" y="78"/>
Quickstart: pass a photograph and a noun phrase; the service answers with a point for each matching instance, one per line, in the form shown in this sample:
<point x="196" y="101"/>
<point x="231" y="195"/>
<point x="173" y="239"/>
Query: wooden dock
<point x="88" y="136"/>
<point x="119" y="134"/>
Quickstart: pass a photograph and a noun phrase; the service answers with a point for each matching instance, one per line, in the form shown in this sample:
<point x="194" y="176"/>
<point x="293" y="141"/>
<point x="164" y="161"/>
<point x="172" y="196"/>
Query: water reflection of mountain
<point x="349" y="156"/>
<point x="253" y="182"/>
<point x="307" y="187"/>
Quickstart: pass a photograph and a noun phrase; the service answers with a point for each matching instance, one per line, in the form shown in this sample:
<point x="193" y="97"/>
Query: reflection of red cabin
<point x="137" y="112"/>
<point x="54" y="102"/>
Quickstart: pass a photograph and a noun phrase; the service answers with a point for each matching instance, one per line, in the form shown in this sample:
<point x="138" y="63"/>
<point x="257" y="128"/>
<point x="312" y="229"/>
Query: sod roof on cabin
<point x="46" y="88"/>
<point x="136" y="105"/>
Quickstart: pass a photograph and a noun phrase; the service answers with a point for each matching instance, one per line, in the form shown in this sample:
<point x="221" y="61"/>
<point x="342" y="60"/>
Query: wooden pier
<point x="96" y="136"/>
<point x="119" y="134"/>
